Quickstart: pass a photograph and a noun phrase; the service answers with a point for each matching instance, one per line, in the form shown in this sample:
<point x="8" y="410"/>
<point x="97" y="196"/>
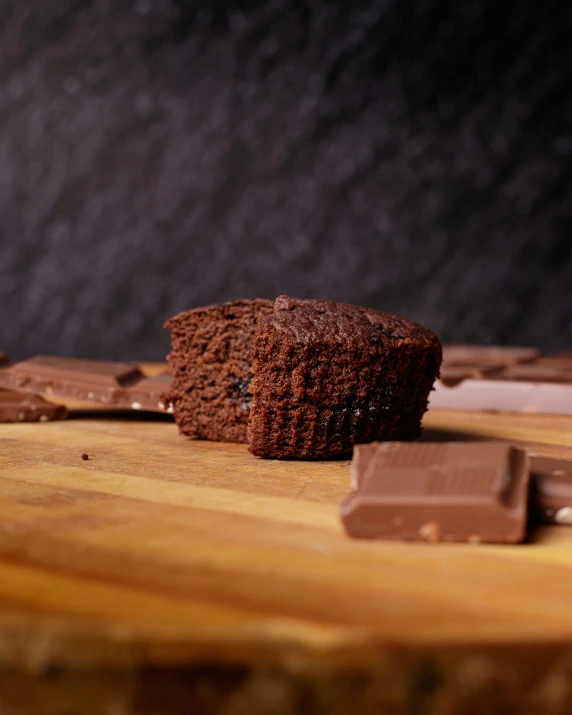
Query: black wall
<point x="415" y="156"/>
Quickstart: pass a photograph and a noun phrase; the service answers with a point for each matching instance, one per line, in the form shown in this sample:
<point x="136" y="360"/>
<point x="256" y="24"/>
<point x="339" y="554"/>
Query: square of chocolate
<point x="115" y="384"/>
<point x="21" y="407"/>
<point x="68" y="377"/>
<point x="469" y="492"/>
<point x="464" y="355"/>
<point x="499" y="393"/>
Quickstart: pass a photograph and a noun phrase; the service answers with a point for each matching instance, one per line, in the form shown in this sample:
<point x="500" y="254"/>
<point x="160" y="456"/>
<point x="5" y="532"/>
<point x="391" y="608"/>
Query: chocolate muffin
<point x="211" y="358"/>
<point x="330" y="375"/>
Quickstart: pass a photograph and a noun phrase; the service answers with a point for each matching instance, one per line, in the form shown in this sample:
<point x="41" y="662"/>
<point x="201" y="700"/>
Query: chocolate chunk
<point x="561" y="361"/>
<point x="551" y="490"/>
<point x="498" y="395"/>
<point x="21" y="407"/>
<point x="362" y="456"/>
<point x="115" y="384"/>
<point x="453" y="374"/>
<point x="464" y="355"/>
<point x="524" y="383"/>
<point x="4" y="360"/>
<point x="472" y="492"/>
<point x="462" y="362"/>
<point x="149" y="393"/>
<point x="544" y="370"/>
<point x="533" y="373"/>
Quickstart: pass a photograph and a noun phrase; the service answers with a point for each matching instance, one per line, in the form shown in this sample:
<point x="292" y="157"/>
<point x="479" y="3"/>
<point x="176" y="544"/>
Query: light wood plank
<point x="171" y="548"/>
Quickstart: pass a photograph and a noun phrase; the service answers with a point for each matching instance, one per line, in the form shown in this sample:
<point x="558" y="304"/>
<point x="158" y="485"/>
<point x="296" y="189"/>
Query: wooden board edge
<point x="434" y="681"/>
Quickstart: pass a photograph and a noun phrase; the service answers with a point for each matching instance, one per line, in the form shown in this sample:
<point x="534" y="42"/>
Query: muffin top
<point x="324" y="321"/>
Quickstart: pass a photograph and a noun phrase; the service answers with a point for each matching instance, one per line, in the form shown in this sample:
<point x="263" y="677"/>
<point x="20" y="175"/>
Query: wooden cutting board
<point x="163" y="554"/>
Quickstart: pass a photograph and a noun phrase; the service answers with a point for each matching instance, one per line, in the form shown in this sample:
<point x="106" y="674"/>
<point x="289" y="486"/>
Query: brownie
<point x="330" y="375"/>
<point x="211" y="357"/>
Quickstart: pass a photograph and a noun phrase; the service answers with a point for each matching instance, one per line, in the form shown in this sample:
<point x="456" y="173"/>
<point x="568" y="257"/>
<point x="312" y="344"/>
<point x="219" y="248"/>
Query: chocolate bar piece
<point x="551" y="490"/>
<point x="543" y="370"/>
<point x="461" y="362"/>
<point x="21" y="407"/>
<point x="116" y="384"/>
<point x="524" y="383"/>
<point x="149" y="393"/>
<point x="560" y="361"/>
<point x="453" y="374"/>
<point x="469" y="492"/>
<point x="4" y="360"/>
<point x="483" y="355"/>
<point x="361" y="457"/>
<point x="495" y="395"/>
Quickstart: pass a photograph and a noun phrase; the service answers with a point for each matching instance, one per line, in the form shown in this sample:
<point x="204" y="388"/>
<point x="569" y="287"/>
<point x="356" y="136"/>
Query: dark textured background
<point x="411" y="155"/>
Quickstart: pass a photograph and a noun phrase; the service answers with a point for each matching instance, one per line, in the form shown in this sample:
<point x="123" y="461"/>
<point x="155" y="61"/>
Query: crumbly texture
<point x="211" y="358"/>
<point x="330" y="375"/>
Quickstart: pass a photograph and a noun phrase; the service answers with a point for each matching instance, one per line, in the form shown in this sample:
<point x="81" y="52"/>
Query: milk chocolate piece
<point x="551" y="490"/>
<point x="116" y="384"/>
<point x="561" y="361"/>
<point x="543" y="370"/>
<point x="362" y="456"/>
<point x="469" y="492"/>
<point x="4" y="360"/>
<point x="461" y="362"/>
<point x="472" y="380"/>
<point x="149" y="393"/>
<point x="21" y="407"/>
<point x="484" y="355"/>
<point x="453" y="374"/>
<point x="496" y="395"/>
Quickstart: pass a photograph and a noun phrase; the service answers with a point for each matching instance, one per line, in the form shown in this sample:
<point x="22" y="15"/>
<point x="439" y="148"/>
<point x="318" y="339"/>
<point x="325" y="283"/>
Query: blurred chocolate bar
<point x="504" y="380"/>
<point x="116" y="384"/>
<point x="551" y="490"/>
<point x="21" y="407"/>
<point x="461" y="361"/>
<point x="542" y="370"/>
<point x="4" y="360"/>
<point x="468" y="492"/>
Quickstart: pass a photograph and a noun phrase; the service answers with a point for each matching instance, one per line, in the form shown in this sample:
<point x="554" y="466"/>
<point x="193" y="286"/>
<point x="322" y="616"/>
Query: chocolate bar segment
<point x="150" y="393"/>
<point x="484" y="355"/>
<point x="4" y="360"/>
<point x="21" y="407"/>
<point x="361" y="457"/>
<point x="543" y="370"/>
<point x="496" y="395"/>
<point x="551" y="490"/>
<point x="524" y="383"/>
<point x="560" y="361"/>
<point x="463" y="361"/>
<point x="453" y="374"/>
<point x="116" y="384"/>
<point x="468" y="492"/>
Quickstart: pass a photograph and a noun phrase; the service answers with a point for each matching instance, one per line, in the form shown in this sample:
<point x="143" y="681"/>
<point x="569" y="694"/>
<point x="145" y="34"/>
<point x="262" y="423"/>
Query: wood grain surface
<point x="160" y="552"/>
